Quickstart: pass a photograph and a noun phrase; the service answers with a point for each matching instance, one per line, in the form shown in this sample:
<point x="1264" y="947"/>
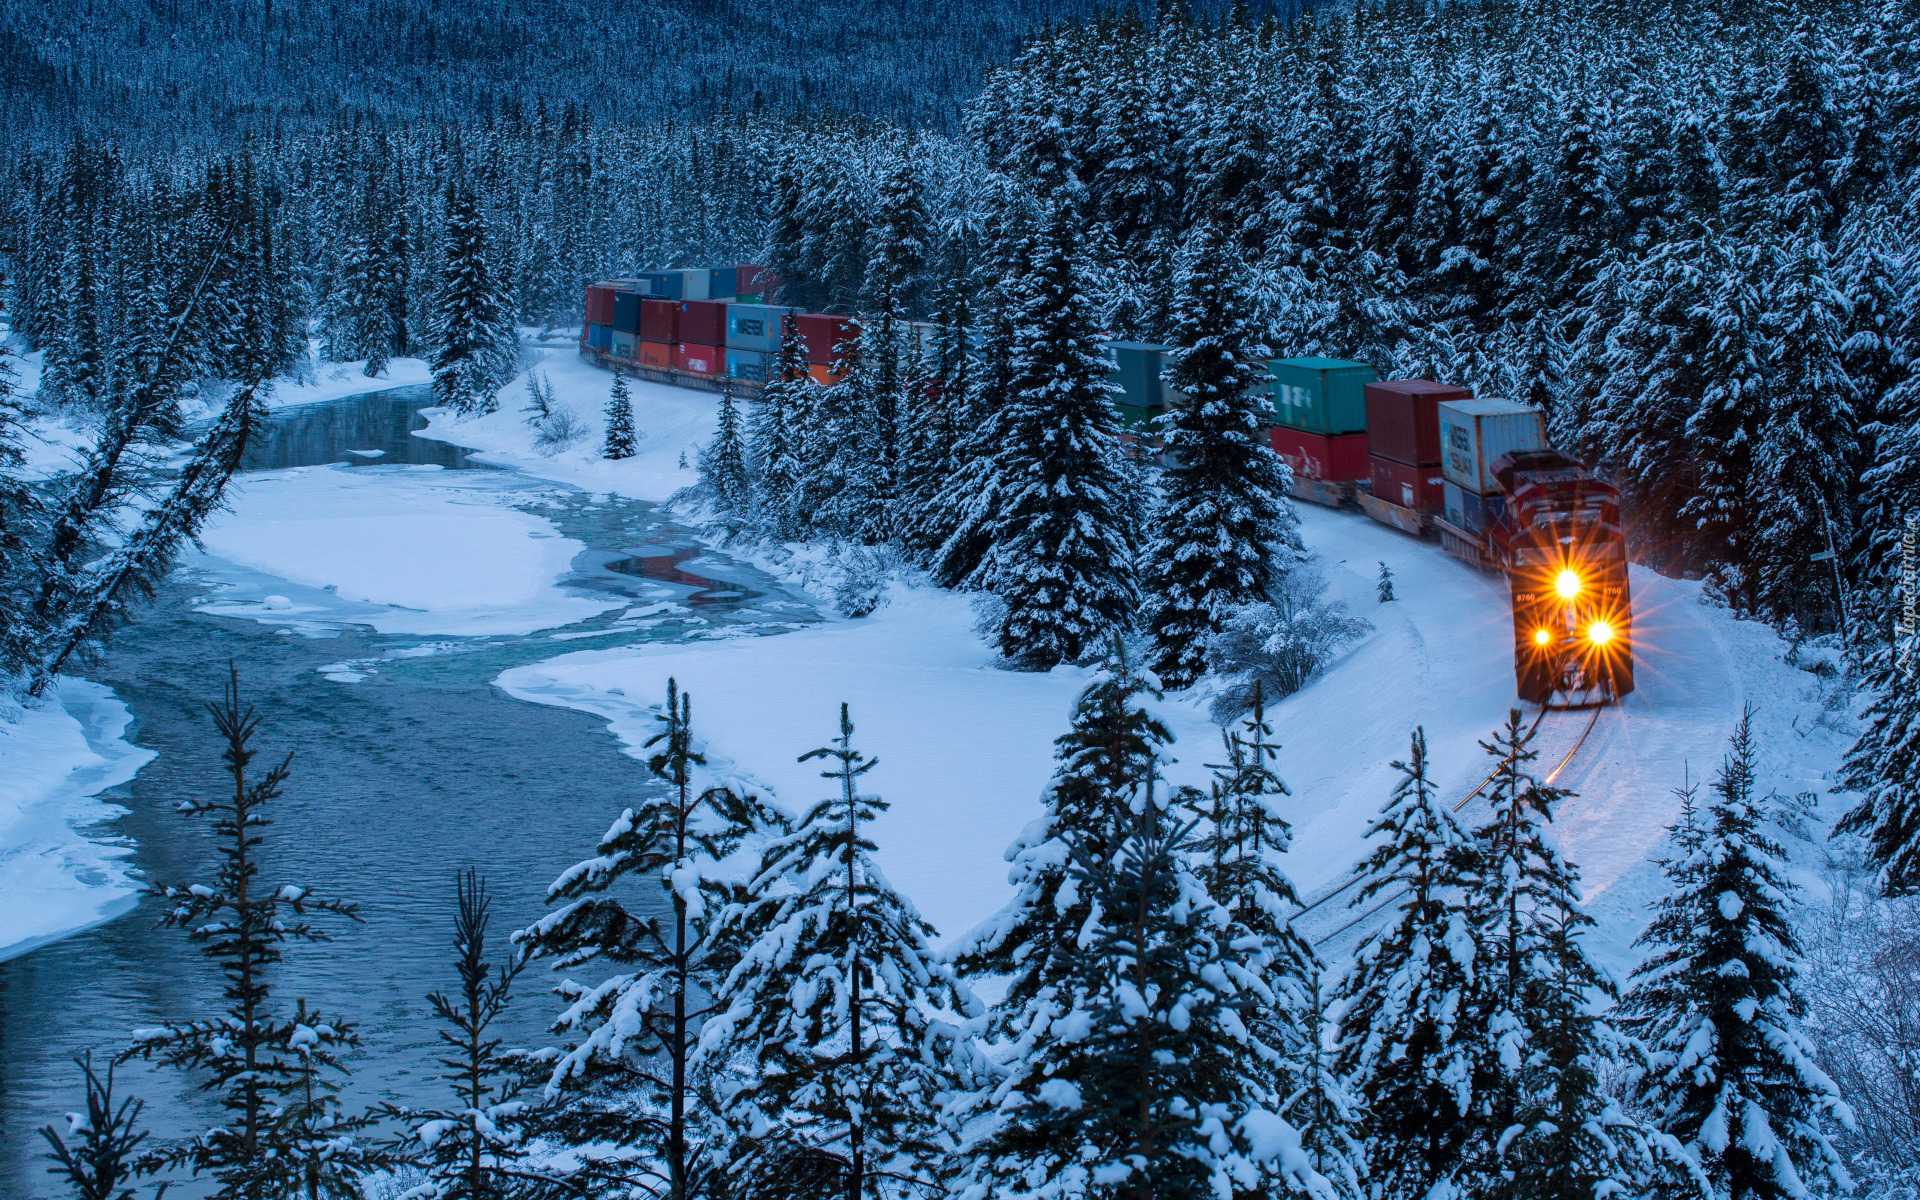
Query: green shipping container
<point x="748" y="298"/>
<point x="1137" y="420"/>
<point x="1136" y="368"/>
<point x="1320" y="395"/>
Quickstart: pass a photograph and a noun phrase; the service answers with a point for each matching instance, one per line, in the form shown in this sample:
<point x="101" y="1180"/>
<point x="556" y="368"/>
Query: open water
<point x="399" y="781"/>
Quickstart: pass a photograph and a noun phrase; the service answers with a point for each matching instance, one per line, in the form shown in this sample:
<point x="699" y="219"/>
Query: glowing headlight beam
<point x="1542" y="638"/>
<point x="1568" y="584"/>
<point x="1600" y="633"/>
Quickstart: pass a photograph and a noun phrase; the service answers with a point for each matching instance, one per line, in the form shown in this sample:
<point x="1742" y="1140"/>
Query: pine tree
<point x="1224" y="520"/>
<point x="1404" y="1043"/>
<point x="1718" y="1001"/>
<point x="723" y="462"/>
<point x="777" y="430"/>
<point x="833" y="1027"/>
<point x="621" y="440"/>
<point x="653" y="1007"/>
<point x="100" y="1163"/>
<point x="1384" y="588"/>
<point x="259" y="1064"/>
<point x="475" y="1149"/>
<point x="1883" y="767"/>
<point x="1060" y="557"/>
<point x="1327" y="1113"/>
<point x="474" y="338"/>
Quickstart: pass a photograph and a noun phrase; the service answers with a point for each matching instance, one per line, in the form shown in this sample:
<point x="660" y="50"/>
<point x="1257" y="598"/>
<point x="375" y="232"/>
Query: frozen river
<point x="408" y="766"/>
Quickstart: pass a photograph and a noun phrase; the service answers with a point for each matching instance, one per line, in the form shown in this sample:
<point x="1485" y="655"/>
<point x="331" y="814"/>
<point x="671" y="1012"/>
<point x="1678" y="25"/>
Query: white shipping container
<point x="696" y="282"/>
<point x="1473" y="433"/>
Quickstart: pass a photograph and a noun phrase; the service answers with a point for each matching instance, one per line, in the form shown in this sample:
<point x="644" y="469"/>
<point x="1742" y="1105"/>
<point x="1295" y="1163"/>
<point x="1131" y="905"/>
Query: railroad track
<point x="1388" y="902"/>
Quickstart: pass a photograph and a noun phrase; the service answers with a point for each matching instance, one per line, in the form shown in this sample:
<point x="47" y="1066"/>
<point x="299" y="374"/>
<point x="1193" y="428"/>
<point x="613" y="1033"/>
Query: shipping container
<point x="600" y="337"/>
<point x="723" y="283"/>
<point x="749" y="298"/>
<point x="1335" y="458"/>
<point x="658" y="355"/>
<point x="1418" y="488"/>
<point x="1470" y="510"/>
<point x="660" y="320"/>
<point x="747" y="365"/>
<point x="664" y="285"/>
<point x="697" y="359"/>
<point x="759" y="281"/>
<point x="622" y="344"/>
<point x="693" y="281"/>
<point x="600" y="304"/>
<point x="1137" y="420"/>
<point x="824" y="374"/>
<point x="823" y="335"/>
<point x="1319" y="395"/>
<point x="626" y="312"/>
<point x="754" y="327"/>
<point x="1475" y="432"/>
<point x="1136" y="368"/>
<point x="703" y="322"/>
<point x="1403" y="418"/>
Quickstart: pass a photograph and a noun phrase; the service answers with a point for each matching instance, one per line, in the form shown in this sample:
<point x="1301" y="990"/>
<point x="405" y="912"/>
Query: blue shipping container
<point x="626" y="312"/>
<point x="664" y="285"/>
<point x="600" y="337"/>
<point x="724" y="283"/>
<point x="1137" y="367"/>
<point x="1471" y="511"/>
<point x="748" y="366"/>
<point x="754" y="327"/>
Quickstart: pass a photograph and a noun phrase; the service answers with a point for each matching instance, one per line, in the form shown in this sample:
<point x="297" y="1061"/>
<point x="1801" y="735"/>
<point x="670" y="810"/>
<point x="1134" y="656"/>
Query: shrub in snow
<point x="862" y="587"/>
<point x="97" y="1154"/>
<point x="1731" y="1074"/>
<point x="561" y="429"/>
<point x="539" y="398"/>
<point x="1282" y="643"/>
<point x="838" y="1039"/>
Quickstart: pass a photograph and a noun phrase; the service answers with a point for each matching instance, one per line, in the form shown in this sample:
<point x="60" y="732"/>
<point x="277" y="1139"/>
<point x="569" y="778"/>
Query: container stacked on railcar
<point x="1320" y="424"/>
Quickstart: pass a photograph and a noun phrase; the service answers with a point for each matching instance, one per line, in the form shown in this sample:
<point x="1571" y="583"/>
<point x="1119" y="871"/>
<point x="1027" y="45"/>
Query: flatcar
<point x="1557" y="536"/>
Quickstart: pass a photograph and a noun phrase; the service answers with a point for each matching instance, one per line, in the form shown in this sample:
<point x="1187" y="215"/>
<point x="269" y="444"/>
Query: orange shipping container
<point x="824" y="376"/>
<point x="658" y="355"/>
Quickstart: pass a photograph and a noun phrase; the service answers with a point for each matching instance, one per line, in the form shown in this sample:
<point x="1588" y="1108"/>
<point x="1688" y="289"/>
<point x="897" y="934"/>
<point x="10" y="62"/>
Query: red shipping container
<point x="703" y="322"/>
<point x="823" y="334"/>
<point x="1403" y="418"/>
<point x="660" y="321"/>
<point x="599" y="304"/>
<point x="1334" y="457"/>
<point x="658" y="355"/>
<point x="1418" y="488"/>
<point x="695" y="359"/>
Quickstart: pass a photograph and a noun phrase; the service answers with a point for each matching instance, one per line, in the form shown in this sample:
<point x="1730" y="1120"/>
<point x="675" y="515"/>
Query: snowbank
<point x="338" y="380"/>
<point x="672" y="422"/>
<point x="413" y="549"/>
<point x="965" y="748"/>
<point x="56" y="757"/>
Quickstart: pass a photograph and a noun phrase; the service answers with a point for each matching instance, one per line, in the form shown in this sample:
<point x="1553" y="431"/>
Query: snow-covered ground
<point x="56" y="757"/>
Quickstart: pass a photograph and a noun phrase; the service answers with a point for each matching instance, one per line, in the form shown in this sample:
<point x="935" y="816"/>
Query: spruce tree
<point x="1719" y="1000"/>
<point x="1404" y="1042"/>
<point x="637" y="1031"/>
<point x="103" y="1157"/>
<point x="833" y="1030"/>
<point x="777" y="431"/>
<point x="621" y="440"/>
<point x="258" y="1064"/>
<point x="475" y="340"/>
<point x="723" y="462"/>
<point x="1883" y="767"/>
<point x="1224" y="520"/>
<point x="1384" y="588"/>
<point x="474" y="1149"/>
<point x="1061" y="555"/>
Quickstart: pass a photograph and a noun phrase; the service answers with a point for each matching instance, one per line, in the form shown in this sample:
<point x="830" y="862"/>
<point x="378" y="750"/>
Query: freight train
<point x="1423" y="457"/>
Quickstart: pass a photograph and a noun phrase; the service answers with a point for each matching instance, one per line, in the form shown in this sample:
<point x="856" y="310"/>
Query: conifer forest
<point x="448" y="756"/>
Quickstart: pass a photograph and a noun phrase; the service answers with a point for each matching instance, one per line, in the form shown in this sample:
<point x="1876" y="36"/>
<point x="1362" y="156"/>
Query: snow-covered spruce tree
<point x="1327" y="1113"/>
<point x="1384" y="587"/>
<point x="723" y="463"/>
<point x="839" y="1038"/>
<point x="1061" y="555"/>
<point x="621" y="442"/>
<point x="1731" y="1076"/>
<point x="1234" y="858"/>
<point x="958" y="526"/>
<point x="473" y="336"/>
<point x="936" y="424"/>
<point x="1884" y="767"/>
<point x="1225" y="521"/>
<point x="1404" y="1044"/>
<point x="636" y="1031"/>
<point x="256" y="1061"/>
<point x="777" y="431"/>
<point x="99" y="1162"/>
<point x="1146" y="1082"/>
<point x="473" y="1149"/>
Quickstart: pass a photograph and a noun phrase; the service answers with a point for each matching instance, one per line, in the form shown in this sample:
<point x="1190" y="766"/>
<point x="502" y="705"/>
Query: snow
<point x="338" y="380"/>
<point x="413" y="549"/>
<point x="56" y="758"/>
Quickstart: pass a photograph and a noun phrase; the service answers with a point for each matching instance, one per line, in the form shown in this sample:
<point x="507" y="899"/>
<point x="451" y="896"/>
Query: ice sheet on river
<point x="411" y="550"/>
<point x="56" y="758"/>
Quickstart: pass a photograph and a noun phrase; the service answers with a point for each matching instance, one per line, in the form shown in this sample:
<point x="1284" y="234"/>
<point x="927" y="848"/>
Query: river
<point x="400" y="780"/>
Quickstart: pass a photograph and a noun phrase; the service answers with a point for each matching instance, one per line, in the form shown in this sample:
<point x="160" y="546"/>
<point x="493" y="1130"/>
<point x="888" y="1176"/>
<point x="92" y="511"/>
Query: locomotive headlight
<point x="1600" y="633"/>
<point x="1568" y="584"/>
<point x="1542" y="638"/>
